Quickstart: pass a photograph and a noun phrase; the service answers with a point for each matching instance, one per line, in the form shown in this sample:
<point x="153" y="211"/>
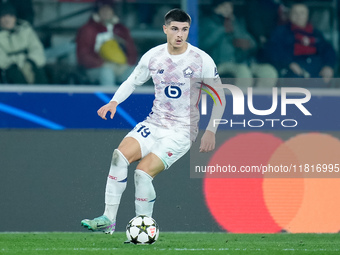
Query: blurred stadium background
<point x="55" y="151"/>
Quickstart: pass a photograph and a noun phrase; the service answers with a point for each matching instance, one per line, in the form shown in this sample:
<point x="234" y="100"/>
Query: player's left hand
<point x="207" y="141"/>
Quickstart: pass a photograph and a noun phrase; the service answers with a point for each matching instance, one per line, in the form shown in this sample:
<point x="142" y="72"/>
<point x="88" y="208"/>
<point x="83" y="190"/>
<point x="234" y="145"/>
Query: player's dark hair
<point x="176" y="15"/>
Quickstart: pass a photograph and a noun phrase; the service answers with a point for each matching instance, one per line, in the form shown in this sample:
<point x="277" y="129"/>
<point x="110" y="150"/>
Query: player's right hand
<point x="110" y="107"/>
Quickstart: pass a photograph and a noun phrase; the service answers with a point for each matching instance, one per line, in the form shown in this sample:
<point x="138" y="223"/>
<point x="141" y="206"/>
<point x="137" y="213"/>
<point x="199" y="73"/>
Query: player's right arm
<point x="138" y="77"/>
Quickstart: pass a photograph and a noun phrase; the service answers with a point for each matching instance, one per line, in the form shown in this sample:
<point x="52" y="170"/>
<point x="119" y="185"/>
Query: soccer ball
<point x="142" y="230"/>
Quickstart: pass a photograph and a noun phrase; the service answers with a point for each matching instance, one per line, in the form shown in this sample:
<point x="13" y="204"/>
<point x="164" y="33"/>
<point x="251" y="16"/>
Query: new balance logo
<point x="216" y="72"/>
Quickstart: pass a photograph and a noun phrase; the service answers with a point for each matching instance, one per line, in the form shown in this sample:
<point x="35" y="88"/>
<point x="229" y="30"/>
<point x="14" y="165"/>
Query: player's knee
<point x="118" y="159"/>
<point x="144" y="186"/>
<point x="142" y="177"/>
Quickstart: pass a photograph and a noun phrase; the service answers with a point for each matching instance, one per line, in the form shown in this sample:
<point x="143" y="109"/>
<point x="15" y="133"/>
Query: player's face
<point x="177" y="34"/>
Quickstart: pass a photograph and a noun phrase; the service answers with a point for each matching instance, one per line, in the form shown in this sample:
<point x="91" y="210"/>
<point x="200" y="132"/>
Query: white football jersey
<point x="176" y="95"/>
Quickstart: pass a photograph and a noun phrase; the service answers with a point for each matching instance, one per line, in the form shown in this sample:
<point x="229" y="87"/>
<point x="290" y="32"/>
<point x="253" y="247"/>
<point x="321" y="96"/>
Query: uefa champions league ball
<point x="142" y="230"/>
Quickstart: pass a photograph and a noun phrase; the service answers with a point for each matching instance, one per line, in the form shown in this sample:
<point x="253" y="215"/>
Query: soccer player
<point x="167" y="133"/>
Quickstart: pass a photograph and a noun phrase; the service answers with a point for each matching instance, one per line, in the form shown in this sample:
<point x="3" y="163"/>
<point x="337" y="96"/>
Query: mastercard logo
<point x="308" y="203"/>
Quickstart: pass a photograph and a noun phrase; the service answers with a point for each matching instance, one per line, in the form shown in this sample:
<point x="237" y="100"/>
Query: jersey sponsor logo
<point x="188" y="72"/>
<point x="173" y="91"/>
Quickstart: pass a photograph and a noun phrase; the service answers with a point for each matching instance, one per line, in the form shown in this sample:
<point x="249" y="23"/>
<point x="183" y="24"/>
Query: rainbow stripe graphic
<point x="209" y="93"/>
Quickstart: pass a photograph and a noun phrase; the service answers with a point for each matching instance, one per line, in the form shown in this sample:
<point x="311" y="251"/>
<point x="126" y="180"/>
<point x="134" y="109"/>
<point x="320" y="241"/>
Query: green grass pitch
<point x="169" y="243"/>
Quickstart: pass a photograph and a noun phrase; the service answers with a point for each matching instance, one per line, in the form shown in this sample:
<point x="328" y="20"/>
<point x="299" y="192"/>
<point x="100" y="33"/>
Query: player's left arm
<point x="208" y="139"/>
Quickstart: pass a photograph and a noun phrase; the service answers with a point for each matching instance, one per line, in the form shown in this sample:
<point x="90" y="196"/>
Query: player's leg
<point x="128" y="151"/>
<point x="171" y="146"/>
<point x="151" y="164"/>
<point x="145" y="194"/>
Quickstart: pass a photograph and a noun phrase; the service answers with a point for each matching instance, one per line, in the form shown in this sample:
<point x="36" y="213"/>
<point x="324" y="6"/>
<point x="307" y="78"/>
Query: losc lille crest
<point x="188" y="72"/>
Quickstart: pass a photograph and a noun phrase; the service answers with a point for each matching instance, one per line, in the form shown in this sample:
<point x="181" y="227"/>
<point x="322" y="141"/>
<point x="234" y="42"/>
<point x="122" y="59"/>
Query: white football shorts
<point x="167" y="144"/>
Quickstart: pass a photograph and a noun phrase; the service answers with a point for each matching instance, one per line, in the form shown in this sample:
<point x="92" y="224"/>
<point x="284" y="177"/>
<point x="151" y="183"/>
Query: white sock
<point x="145" y="194"/>
<point x="116" y="184"/>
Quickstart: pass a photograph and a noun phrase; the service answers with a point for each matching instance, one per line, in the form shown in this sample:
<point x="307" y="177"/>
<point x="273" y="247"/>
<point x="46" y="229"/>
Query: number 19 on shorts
<point x="143" y="130"/>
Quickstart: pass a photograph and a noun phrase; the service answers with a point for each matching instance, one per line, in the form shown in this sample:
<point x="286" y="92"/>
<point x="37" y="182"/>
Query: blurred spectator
<point x="105" y="48"/>
<point x="226" y="40"/>
<point x="263" y="16"/>
<point x="161" y="10"/>
<point x="299" y="50"/>
<point x="24" y="9"/>
<point x="21" y="53"/>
